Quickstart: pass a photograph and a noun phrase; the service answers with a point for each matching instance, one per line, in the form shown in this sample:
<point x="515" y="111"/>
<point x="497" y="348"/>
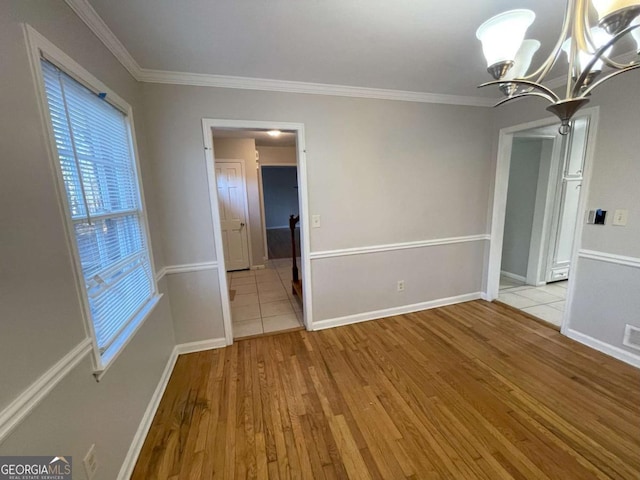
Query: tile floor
<point x="546" y="302"/>
<point x="263" y="300"/>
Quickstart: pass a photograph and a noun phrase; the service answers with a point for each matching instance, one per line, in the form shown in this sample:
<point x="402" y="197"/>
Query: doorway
<point x="539" y="203"/>
<point x="256" y="291"/>
<point x="280" y="203"/>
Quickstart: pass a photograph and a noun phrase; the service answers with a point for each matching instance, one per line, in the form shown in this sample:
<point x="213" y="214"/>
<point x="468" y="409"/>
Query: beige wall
<point x="603" y="301"/>
<point x="40" y="312"/>
<point x="379" y="172"/>
<point x="277" y="155"/>
<point x="245" y="149"/>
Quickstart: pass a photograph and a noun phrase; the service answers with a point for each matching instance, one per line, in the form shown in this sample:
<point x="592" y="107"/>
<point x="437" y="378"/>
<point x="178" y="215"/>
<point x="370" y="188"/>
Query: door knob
<point x="241" y="224"/>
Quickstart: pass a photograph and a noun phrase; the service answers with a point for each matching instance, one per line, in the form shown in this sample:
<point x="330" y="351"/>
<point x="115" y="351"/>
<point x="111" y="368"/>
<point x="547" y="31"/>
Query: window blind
<point x="99" y="176"/>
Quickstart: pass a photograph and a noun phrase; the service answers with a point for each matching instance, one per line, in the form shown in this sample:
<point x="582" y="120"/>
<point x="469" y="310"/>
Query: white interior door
<point x="232" y="199"/>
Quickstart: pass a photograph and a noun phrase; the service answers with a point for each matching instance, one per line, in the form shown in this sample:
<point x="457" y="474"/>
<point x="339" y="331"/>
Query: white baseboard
<point x="145" y="424"/>
<point x="611" y="350"/>
<point x="484" y="296"/>
<point x="513" y="276"/>
<point x="388" y="312"/>
<point x="200" y="346"/>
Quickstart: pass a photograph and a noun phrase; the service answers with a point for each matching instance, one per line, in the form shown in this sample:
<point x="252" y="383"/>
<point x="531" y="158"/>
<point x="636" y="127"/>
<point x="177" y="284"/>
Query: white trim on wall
<point x="126" y="470"/>
<point x="90" y="17"/>
<point x="611" y="350"/>
<point x="160" y="274"/>
<point x="398" y="246"/>
<point x="186" y="268"/>
<point x="286" y="86"/>
<point x="201" y="346"/>
<point x="145" y="424"/>
<point x="190" y="267"/>
<point x="23" y="405"/>
<point x="388" y="312"/>
<point x="610" y="258"/>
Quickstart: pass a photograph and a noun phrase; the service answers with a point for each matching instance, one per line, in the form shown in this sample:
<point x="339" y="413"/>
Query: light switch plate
<point x="315" y="221"/>
<point x="620" y="217"/>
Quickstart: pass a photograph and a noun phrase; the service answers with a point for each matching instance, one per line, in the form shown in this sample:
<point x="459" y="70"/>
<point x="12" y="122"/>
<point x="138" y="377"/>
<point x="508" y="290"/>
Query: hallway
<point x="261" y="300"/>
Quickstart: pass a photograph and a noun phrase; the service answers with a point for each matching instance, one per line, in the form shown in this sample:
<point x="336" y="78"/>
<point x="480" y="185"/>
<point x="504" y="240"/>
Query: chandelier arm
<point x="523" y="95"/>
<point x="612" y="63"/>
<point x="549" y="93"/>
<point x="611" y="75"/>
<point x="551" y="60"/>
<point x="598" y="55"/>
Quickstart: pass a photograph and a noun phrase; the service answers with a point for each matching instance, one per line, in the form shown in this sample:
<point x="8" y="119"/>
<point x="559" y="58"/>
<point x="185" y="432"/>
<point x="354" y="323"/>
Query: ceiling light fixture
<point x="588" y="50"/>
<point x="274" y="133"/>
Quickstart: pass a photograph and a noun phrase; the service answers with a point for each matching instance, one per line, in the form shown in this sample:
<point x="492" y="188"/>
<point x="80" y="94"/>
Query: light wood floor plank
<point x="468" y="391"/>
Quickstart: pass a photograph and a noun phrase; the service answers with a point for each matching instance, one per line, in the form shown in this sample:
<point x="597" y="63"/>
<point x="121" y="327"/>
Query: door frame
<point x="262" y="207"/>
<point x="303" y="200"/>
<point x="245" y="196"/>
<point x="498" y="210"/>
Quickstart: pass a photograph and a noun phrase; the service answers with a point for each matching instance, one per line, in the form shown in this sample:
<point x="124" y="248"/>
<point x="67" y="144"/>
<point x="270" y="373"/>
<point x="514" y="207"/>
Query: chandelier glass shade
<point x="587" y="44"/>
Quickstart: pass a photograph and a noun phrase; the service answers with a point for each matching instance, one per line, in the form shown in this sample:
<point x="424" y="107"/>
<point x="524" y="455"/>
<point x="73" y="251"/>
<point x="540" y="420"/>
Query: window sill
<point x="109" y="356"/>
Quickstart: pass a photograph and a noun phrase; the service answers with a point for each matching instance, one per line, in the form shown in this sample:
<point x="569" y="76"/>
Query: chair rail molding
<point x="30" y="398"/>
<point x="186" y="268"/>
<point x="610" y="258"/>
<point x="398" y="246"/>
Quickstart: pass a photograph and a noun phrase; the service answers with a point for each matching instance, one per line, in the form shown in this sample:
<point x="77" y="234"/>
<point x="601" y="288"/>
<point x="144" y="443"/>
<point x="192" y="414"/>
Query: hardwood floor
<point x="461" y="392"/>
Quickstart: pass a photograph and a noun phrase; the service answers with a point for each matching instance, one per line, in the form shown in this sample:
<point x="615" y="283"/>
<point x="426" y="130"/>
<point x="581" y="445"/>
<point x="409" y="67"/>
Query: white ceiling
<point x="262" y="138"/>
<point x="411" y="45"/>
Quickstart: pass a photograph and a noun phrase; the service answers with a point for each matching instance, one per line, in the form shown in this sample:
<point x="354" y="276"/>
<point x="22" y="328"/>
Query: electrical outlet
<point x="401" y="285"/>
<point x="315" y="221"/>
<point x="90" y="461"/>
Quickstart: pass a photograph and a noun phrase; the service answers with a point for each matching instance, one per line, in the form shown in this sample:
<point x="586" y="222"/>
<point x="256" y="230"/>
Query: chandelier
<point x="588" y="48"/>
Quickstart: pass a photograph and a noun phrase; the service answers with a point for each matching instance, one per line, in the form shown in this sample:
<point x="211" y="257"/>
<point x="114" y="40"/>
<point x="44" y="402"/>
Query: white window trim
<point x="36" y="43"/>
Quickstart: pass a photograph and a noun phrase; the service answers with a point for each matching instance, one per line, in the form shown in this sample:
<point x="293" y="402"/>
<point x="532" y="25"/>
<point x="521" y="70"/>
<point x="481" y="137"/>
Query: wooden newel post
<point x="292" y="226"/>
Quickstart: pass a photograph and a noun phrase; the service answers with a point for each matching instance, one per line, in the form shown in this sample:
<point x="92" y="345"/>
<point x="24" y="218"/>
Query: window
<point x="98" y="169"/>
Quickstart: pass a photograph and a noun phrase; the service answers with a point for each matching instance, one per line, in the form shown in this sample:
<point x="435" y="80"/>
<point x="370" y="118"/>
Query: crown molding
<point x="90" y="17"/>
<point x="270" y="85"/>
